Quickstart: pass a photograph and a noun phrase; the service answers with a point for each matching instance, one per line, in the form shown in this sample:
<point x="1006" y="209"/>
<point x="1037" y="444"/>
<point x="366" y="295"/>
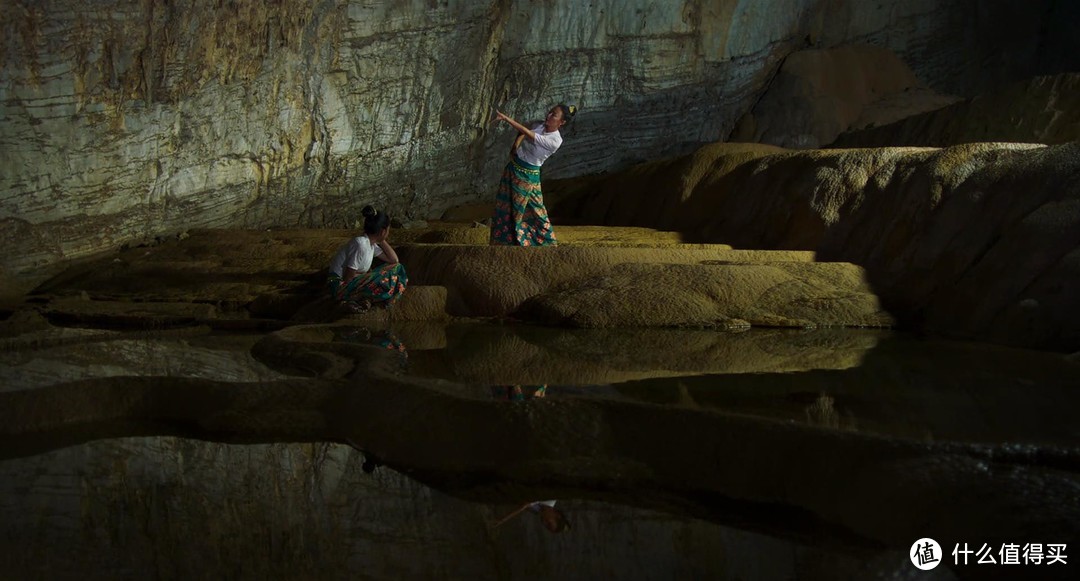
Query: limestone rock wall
<point x="125" y="120"/>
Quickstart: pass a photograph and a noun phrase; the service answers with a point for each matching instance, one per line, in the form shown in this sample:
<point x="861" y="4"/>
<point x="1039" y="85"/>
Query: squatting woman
<point x="352" y="279"/>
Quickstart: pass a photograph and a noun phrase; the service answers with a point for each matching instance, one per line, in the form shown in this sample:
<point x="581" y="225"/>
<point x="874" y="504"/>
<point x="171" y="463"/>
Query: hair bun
<point x="369" y="212"/>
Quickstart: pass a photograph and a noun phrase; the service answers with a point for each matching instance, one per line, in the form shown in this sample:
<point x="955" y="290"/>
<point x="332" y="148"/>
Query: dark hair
<point x="374" y="220"/>
<point x="568" y="111"/>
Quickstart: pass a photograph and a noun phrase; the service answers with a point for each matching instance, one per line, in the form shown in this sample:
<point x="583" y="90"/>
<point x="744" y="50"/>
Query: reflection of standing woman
<point x="520" y="216"/>
<point x="352" y="279"/>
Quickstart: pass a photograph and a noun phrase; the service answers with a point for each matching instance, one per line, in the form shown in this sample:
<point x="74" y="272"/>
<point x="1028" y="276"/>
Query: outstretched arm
<point x="521" y="128"/>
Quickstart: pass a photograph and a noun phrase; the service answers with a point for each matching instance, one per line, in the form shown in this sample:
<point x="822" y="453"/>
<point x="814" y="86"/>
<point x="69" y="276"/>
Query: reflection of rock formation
<point x="823" y="413"/>
<point x="946" y="243"/>
<point x="922" y="390"/>
<point x="846" y="486"/>
<point x="185" y="509"/>
<point x="218" y="358"/>
<point x="532" y="355"/>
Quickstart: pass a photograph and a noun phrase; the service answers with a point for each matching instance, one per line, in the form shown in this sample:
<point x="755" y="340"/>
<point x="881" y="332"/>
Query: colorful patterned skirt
<point x="384" y="283"/>
<point x="520" y="216"/>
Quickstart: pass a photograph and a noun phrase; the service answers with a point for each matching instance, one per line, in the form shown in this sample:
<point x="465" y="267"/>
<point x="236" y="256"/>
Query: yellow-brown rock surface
<point x="978" y="240"/>
<point x="625" y="276"/>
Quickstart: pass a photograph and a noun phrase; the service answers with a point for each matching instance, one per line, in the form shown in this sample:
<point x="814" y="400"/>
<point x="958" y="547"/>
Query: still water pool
<point x="107" y="493"/>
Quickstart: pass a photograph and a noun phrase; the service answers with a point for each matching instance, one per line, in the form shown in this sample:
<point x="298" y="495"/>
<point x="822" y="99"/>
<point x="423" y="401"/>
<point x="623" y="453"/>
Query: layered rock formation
<point x="125" y="121"/>
<point x="979" y="240"/>
<point x="226" y="278"/>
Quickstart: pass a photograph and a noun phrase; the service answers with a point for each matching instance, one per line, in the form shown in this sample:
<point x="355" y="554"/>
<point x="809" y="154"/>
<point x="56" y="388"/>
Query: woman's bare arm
<point x="388" y="254"/>
<point x="517" y="143"/>
<point x="521" y="128"/>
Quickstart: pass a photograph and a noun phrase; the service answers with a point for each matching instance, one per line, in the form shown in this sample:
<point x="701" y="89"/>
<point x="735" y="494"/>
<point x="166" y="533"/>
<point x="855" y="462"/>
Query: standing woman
<point x="352" y="280"/>
<point x="520" y="216"/>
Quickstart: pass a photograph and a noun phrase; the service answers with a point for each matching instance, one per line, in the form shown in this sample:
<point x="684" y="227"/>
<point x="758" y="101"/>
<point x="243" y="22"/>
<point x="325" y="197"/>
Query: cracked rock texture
<point x="124" y="121"/>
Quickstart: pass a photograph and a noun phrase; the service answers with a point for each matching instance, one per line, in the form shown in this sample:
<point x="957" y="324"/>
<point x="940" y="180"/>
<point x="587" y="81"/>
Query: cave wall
<point x="1044" y="109"/>
<point x="127" y="120"/>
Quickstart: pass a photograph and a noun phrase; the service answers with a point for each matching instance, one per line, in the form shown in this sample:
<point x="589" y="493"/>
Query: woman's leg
<point x="536" y="226"/>
<point x="503" y="222"/>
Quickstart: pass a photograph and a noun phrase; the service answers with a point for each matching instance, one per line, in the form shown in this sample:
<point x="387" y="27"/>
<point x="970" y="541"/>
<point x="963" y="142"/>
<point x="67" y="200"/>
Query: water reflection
<point x="383" y="338"/>
<point x="843" y="379"/>
<point x="850" y="380"/>
<point x="165" y="507"/>
<point x="769" y="431"/>
<point x="519" y="393"/>
<point x="550" y="517"/>
<point x="87" y="355"/>
<point x="529" y="355"/>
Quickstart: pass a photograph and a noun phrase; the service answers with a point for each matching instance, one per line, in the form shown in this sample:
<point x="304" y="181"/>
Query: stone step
<point x="493" y="281"/>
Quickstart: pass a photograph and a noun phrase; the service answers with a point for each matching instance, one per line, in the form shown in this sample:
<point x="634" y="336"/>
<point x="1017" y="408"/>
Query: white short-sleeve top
<point x="535" y="151"/>
<point x="357" y="254"/>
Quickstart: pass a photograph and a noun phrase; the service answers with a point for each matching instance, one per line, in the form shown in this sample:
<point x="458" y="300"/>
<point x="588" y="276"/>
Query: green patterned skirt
<point x="520" y="216"/>
<point x="385" y="283"/>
